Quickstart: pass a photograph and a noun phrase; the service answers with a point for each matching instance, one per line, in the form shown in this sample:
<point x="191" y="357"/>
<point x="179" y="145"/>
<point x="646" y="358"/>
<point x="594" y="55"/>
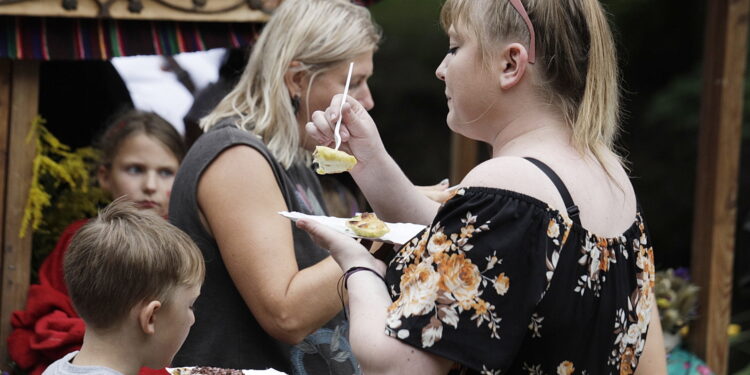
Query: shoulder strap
<point x="567" y="199"/>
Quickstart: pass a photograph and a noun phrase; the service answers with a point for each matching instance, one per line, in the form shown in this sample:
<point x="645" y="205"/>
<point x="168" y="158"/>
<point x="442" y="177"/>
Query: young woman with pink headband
<point x="541" y="263"/>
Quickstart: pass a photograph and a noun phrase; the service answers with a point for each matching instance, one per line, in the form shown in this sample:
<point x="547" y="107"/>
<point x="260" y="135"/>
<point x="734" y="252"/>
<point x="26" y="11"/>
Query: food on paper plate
<point x="367" y="225"/>
<point x="332" y="161"/>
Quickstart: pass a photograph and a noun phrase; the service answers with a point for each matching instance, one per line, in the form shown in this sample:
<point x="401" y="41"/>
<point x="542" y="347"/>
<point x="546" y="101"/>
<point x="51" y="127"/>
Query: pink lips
<point x="147" y="204"/>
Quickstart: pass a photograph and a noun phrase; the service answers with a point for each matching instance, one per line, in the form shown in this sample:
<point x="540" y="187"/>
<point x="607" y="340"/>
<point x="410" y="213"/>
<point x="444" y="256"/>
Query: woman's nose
<point x="365" y="97"/>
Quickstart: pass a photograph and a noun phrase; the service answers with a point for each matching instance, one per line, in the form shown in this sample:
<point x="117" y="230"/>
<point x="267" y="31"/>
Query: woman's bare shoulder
<point x="237" y="171"/>
<point x="514" y="174"/>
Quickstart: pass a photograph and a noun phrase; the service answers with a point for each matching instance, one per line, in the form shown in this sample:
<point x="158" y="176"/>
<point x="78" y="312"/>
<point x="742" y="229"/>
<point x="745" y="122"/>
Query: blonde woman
<point x="541" y="263"/>
<point x="270" y="297"/>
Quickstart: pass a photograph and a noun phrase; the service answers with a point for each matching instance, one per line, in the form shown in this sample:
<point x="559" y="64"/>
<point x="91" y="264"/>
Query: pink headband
<point x="532" y="39"/>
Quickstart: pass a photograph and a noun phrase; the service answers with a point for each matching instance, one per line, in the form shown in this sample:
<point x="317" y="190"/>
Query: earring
<point x="295" y="104"/>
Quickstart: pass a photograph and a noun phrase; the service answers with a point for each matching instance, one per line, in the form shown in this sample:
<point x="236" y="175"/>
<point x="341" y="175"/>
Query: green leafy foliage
<point x="62" y="190"/>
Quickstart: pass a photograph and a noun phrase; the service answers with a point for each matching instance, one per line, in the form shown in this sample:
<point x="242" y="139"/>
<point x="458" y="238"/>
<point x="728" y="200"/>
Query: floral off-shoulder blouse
<point x="502" y="284"/>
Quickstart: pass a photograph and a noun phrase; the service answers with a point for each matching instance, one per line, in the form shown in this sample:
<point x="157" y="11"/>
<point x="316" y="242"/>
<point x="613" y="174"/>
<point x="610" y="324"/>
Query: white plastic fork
<point x="336" y="134"/>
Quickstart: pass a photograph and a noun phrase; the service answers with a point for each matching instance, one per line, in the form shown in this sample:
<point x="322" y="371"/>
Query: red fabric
<point x="45" y="331"/>
<point x="51" y="271"/>
<point x="48" y="328"/>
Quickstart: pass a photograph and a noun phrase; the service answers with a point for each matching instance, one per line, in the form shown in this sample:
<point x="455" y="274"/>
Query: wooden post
<point x="463" y="157"/>
<point x="5" y="84"/>
<point x="720" y="133"/>
<point x="16" y="180"/>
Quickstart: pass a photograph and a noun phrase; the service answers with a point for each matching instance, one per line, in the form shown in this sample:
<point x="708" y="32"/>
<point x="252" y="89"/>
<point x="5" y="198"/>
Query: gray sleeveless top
<point x="225" y="333"/>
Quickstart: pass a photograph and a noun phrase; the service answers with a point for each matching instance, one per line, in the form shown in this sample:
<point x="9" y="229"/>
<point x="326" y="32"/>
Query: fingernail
<point x="331" y="116"/>
<point x="444" y="182"/>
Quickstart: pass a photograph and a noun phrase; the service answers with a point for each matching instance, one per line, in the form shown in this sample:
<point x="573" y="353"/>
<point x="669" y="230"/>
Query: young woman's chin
<point x="468" y="130"/>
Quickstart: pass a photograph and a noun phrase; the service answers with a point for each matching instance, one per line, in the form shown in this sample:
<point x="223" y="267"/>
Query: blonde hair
<point x="576" y="58"/>
<point x="318" y="34"/>
<point x="126" y="256"/>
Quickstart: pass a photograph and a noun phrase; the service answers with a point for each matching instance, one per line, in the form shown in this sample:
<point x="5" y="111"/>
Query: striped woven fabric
<point x="42" y="38"/>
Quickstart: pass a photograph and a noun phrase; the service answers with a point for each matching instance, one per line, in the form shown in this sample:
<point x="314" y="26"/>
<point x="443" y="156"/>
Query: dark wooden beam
<point x="16" y="172"/>
<point x="720" y="134"/>
<point x="463" y="157"/>
<point x="5" y="85"/>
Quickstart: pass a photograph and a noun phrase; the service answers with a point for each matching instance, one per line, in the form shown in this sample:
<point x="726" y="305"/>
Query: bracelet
<point x="345" y="277"/>
<point x="354" y="270"/>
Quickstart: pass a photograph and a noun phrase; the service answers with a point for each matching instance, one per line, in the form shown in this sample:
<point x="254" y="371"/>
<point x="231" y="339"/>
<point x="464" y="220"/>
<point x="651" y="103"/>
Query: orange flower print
<point x="553" y="229"/>
<point x="419" y="290"/>
<point x="565" y="368"/>
<point x="480" y="307"/>
<point x="439" y="243"/>
<point x="626" y="361"/>
<point x="421" y="246"/>
<point x="602" y="243"/>
<point x="460" y="277"/>
<point x="467" y="231"/>
<point x="651" y="268"/>
<point x="647" y="278"/>
<point x="605" y="256"/>
<point x="502" y="283"/>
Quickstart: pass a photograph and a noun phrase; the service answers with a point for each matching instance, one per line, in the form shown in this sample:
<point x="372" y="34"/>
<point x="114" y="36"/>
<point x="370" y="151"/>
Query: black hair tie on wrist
<point x="345" y="278"/>
<point x="354" y="270"/>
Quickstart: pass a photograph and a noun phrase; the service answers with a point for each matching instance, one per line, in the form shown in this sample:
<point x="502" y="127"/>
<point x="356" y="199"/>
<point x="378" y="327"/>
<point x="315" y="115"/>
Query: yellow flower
<point x="502" y="283"/>
<point x="734" y="330"/>
<point x="684" y="331"/>
<point x="662" y="302"/>
<point x="565" y="368"/>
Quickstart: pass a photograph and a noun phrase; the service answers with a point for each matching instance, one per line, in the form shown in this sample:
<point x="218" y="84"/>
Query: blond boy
<point x="133" y="278"/>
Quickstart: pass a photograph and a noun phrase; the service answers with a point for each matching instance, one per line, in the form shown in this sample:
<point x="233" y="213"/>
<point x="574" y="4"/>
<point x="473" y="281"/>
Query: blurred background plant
<point x="677" y="299"/>
<point x="62" y="190"/>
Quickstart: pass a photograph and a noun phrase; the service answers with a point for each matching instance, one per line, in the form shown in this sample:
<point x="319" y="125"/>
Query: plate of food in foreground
<point x="219" y="371"/>
<point x="364" y="225"/>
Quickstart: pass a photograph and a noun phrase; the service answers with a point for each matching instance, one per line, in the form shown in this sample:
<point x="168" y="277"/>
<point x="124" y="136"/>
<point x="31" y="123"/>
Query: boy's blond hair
<point x="126" y="256"/>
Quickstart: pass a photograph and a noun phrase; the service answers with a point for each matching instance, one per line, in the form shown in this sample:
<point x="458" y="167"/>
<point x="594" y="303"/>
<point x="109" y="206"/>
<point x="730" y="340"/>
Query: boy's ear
<point x="147" y="317"/>
<point x="295" y="79"/>
<point x="513" y="61"/>
<point x="102" y="175"/>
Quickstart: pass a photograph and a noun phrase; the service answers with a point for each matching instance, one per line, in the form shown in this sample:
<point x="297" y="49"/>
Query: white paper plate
<point x="187" y="371"/>
<point x="399" y="234"/>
